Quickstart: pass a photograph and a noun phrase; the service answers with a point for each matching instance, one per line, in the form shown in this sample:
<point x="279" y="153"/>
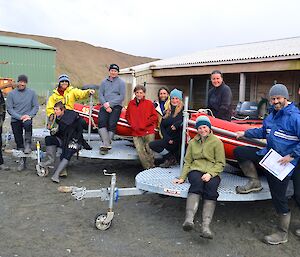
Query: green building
<point x="30" y="57"/>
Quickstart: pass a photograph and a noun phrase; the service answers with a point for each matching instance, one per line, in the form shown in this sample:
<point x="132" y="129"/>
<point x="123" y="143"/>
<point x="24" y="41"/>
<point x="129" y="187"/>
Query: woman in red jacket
<point x="142" y="117"/>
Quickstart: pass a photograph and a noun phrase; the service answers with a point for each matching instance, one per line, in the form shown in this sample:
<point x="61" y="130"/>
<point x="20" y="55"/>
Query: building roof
<point x="23" y="42"/>
<point x="280" y="49"/>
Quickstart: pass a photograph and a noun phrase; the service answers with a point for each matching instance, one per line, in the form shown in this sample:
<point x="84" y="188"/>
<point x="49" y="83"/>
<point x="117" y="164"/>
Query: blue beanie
<point x="176" y="93"/>
<point x="279" y="90"/>
<point x="63" y="77"/>
<point x="202" y="120"/>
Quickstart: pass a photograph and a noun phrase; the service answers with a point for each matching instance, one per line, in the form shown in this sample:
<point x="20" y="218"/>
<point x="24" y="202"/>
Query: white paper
<point x="271" y="164"/>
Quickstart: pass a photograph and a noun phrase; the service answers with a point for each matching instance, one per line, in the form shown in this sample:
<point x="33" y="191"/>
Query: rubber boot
<point x="64" y="172"/>
<point x="192" y="203"/>
<point x="85" y="145"/>
<point x="22" y="164"/>
<point x="4" y="167"/>
<point x="281" y="236"/>
<point x="111" y="135"/>
<point x="207" y="215"/>
<point x="62" y="165"/>
<point x="170" y="160"/>
<point x="253" y="184"/>
<point x="51" y="154"/>
<point x="105" y="141"/>
<point x="27" y="148"/>
<point x="297" y="232"/>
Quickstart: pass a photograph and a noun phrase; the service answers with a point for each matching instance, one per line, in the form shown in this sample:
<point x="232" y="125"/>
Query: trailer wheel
<point x="41" y="171"/>
<point x="99" y="222"/>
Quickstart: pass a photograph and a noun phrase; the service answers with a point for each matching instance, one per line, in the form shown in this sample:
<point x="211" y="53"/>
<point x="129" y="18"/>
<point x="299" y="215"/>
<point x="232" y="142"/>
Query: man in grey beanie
<point x="281" y="128"/>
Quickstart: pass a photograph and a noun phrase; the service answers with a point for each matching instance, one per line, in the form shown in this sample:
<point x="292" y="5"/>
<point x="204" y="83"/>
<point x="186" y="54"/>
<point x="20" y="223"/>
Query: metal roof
<point x="23" y="42"/>
<point x="280" y="49"/>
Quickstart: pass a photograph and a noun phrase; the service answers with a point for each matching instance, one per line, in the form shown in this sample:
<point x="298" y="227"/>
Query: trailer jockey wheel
<point x="41" y="171"/>
<point x="100" y="221"/>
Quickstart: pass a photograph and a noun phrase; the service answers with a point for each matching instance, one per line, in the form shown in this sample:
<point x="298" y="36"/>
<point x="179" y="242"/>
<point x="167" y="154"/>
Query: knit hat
<point x="63" y="77"/>
<point x="202" y="120"/>
<point x="23" y="78"/>
<point x="176" y="93"/>
<point x="114" y="66"/>
<point x="279" y="90"/>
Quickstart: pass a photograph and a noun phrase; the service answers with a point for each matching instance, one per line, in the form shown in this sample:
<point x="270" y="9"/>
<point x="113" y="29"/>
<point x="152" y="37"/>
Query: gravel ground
<point x="37" y="220"/>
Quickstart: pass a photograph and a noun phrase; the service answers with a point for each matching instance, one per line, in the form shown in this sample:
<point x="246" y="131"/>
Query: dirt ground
<point x="37" y="220"/>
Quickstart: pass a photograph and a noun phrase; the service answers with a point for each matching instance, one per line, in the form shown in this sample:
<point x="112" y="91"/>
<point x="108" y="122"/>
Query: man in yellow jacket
<point x="66" y="94"/>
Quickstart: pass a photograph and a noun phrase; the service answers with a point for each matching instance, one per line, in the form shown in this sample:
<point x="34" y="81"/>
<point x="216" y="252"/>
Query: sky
<point x="156" y="28"/>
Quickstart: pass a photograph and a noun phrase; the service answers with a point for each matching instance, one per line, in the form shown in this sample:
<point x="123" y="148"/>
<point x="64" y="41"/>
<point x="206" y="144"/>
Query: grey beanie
<point x="279" y="90"/>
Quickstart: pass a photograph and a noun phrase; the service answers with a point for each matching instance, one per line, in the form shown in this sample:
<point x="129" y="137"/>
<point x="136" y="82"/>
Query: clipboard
<point x="270" y="163"/>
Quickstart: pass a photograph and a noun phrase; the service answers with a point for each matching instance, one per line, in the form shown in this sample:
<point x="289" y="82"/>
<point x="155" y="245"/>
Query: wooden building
<point x="249" y="69"/>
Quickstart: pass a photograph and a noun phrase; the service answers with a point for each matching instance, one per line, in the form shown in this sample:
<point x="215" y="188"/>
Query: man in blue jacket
<point x="282" y="131"/>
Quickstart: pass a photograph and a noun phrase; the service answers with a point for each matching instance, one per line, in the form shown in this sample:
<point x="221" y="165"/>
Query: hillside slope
<point x="85" y="63"/>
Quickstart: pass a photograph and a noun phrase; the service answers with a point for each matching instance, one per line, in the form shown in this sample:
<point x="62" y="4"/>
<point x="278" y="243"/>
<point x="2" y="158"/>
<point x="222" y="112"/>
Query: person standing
<point x="219" y="97"/>
<point x="281" y="129"/>
<point x="22" y="105"/>
<point x="2" y="118"/>
<point x="203" y="163"/>
<point x="170" y="127"/>
<point x="111" y="96"/>
<point x="142" y="118"/>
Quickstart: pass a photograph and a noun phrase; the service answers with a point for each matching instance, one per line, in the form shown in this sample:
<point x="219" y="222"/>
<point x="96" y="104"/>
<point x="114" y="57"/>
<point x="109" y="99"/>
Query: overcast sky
<point x="154" y="28"/>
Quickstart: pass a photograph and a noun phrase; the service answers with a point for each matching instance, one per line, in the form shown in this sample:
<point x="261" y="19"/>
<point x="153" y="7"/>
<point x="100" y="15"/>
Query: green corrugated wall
<point x="37" y="64"/>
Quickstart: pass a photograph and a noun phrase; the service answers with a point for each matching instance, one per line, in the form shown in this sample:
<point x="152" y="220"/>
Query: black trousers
<point x="1" y="157"/>
<point x="277" y="188"/>
<point x="159" y="145"/>
<point x="67" y="153"/>
<point x="17" y="128"/>
<point x="109" y="120"/>
<point x="208" y="190"/>
<point x="296" y="183"/>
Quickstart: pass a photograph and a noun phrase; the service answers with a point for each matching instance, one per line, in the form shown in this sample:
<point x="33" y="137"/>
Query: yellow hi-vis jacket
<point x="71" y="95"/>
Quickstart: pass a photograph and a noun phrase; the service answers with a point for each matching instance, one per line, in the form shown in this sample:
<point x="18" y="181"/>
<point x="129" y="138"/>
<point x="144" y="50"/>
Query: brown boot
<point x="192" y="203"/>
<point x="281" y="236"/>
<point x="170" y="160"/>
<point x="253" y="184"/>
<point x="207" y="215"/>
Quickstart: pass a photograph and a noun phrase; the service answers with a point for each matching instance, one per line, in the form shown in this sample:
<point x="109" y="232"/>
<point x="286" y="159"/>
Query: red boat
<point x="225" y="130"/>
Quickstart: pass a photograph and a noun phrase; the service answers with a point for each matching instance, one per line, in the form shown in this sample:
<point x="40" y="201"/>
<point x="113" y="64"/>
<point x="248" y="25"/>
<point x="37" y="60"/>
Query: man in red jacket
<point x="142" y="117"/>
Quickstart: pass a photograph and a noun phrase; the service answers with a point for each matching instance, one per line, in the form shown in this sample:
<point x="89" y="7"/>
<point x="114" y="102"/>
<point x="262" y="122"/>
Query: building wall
<point x="258" y="85"/>
<point x="37" y="64"/>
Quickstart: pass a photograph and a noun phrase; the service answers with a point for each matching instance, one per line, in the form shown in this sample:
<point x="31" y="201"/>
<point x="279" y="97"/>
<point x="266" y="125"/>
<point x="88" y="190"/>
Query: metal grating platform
<point x="159" y="180"/>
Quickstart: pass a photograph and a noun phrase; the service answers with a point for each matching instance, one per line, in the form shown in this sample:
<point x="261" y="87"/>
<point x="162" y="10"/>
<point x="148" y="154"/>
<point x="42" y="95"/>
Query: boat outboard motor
<point x="247" y="109"/>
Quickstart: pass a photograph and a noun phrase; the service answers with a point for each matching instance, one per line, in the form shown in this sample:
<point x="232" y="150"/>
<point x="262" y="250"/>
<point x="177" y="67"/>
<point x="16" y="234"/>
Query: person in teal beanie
<point x="203" y="163"/>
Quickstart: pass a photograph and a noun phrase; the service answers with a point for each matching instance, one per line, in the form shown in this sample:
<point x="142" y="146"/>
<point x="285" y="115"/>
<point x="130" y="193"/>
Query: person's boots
<point x="207" y="215"/>
<point x="50" y="154"/>
<point x="170" y="160"/>
<point x="105" y="141"/>
<point x="62" y="165"/>
<point x="281" y="236"/>
<point x="27" y="148"/>
<point x="297" y="232"/>
<point x="253" y="184"/>
<point x="64" y="172"/>
<point x="22" y="164"/>
<point x="192" y="203"/>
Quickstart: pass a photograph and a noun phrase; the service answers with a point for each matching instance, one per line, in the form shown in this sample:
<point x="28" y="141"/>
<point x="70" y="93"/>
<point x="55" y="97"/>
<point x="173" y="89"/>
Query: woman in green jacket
<point x="204" y="161"/>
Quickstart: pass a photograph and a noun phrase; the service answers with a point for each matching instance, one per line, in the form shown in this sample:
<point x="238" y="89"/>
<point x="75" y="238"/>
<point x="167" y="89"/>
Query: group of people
<point x="205" y="157"/>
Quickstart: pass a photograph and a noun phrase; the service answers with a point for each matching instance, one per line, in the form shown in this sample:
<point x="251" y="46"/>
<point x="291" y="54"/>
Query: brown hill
<point x="84" y="63"/>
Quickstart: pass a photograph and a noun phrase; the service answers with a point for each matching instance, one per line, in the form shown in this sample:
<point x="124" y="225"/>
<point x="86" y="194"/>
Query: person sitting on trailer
<point x="2" y="118"/>
<point x="66" y="133"/>
<point x="162" y="104"/>
<point x="142" y="118"/>
<point x="111" y="96"/>
<point x="68" y="95"/>
<point x="203" y="163"/>
<point x="22" y="105"/>
<point x="169" y="144"/>
<point x="281" y="128"/>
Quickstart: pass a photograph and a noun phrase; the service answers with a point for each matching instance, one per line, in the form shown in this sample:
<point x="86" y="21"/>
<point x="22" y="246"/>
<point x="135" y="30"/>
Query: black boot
<point x="85" y="145"/>
<point x="27" y="148"/>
